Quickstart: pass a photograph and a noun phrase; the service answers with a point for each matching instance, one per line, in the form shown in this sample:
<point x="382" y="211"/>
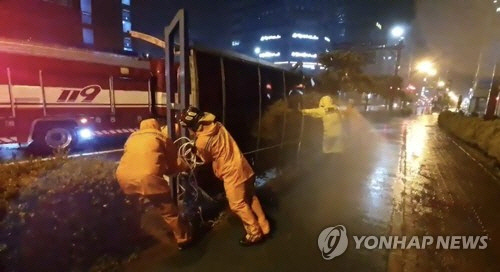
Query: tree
<point x="389" y="87"/>
<point x="344" y="71"/>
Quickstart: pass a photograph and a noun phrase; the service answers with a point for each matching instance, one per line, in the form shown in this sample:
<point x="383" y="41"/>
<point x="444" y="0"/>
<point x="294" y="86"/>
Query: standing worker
<point x="332" y="124"/>
<point x="214" y="144"/>
<point x="149" y="155"/>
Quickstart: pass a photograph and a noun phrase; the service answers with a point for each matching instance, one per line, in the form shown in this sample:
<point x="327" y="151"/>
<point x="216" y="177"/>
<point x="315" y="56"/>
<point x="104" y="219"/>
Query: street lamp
<point x="257" y="50"/>
<point x="398" y="32"/>
<point x="427" y="67"/>
<point x="441" y="84"/>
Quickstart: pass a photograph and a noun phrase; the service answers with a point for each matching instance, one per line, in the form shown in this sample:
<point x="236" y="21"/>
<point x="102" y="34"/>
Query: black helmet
<point x="190" y="118"/>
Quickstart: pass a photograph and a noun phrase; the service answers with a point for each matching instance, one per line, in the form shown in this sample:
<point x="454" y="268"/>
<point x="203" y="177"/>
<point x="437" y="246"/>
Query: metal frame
<point x="69" y="53"/>
<point x="150" y="97"/>
<point x="112" y="105"/>
<point x="223" y="79"/>
<point x="177" y="28"/>
<point x="283" y="131"/>
<point x="11" y="97"/>
<point x="176" y="38"/>
<point x="44" y="101"/>
<point x="194" y="98"/>
<point x="259" y="75"/>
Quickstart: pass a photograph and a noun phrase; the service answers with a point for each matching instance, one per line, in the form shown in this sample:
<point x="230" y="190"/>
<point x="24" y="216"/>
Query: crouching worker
<point x="214" y="144"/>
<point x="149" y="154"/>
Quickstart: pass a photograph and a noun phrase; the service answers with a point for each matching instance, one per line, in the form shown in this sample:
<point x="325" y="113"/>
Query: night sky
<point x="208" y="20"/>
<point x="207" y="23"/>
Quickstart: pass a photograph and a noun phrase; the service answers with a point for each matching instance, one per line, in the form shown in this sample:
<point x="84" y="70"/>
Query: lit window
<point x="268" y="54"/>
<point x="86" y="6"/>
<point x="304" y="36"/>
<point x="88" y="35"/>
<point x="270" y="37"/>
<point x="342" y="33"/>
<point x="304" y="55"/>
<point x="235" y="43"/>
<point x="125" y="15"/>
<point x="126" y="2"/>
<point x="127" y="26"/>
<point x="127" y="44"/>
<point x="86" y="18"/>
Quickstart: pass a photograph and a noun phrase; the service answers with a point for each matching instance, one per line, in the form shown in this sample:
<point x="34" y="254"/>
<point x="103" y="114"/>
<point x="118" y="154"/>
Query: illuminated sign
<point x="268" y="54"/>
<point x="304" y="36"/>
<point x="304" y="55"/>
<point x="270" y="37"/>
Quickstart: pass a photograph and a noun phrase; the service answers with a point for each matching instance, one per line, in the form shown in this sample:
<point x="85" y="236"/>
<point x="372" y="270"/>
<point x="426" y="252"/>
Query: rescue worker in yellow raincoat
<point x="149" y="154"/>
<point x="332" y="124"/>
<point x="214" y="144"/>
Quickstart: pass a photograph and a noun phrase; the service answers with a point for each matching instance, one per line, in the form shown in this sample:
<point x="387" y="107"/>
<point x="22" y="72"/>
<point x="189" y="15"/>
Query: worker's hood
<point x="326" y="102"/>
<point x="208" y="126"/>
<point x="207" y="118"/>
<point x="149" y="124"/>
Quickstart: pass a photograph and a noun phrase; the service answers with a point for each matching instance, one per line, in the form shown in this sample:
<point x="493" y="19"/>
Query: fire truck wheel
<point x="58" y="138"/>
<point x="51" y="138"/>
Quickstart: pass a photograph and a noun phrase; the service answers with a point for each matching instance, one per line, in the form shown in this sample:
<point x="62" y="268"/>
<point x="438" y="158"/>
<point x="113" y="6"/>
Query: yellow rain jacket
<point x="216" y="145"/>
<point x="332" y="124"/>
<point x="148" y="155"/>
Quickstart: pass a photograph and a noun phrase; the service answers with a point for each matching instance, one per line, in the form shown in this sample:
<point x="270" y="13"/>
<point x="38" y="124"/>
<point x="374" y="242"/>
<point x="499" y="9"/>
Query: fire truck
<point x="53" y="97"/>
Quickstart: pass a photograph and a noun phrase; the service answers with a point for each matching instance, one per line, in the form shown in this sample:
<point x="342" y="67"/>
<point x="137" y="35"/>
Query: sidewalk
<point x="443" y="191"/>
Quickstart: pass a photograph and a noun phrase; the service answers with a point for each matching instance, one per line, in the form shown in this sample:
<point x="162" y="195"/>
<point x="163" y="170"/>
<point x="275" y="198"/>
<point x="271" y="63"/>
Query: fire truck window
<point x="88" y="35"/>
<point x="86" y="6"/>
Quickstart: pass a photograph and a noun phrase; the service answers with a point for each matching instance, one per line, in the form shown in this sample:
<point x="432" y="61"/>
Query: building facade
<point x="288" y="31"/>
<point x="285" y="32"/>
<point x="95" y="24"/>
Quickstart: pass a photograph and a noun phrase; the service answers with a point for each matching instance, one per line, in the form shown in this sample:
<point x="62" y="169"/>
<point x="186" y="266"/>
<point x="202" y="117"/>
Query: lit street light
<point x="441" y="84"/>
<point x="426" y="67"/>
<point x="397" y="31"/>
<point x="257" y="50"/>
<point x="453" y="96"/>
<point x="432" y="72"/>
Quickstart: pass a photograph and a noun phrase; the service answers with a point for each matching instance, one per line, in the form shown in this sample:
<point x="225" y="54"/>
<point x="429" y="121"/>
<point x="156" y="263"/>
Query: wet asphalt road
<point x="402" y="177"/>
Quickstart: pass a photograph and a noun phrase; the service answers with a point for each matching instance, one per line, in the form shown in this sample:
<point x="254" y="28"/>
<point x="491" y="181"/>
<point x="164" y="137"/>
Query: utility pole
<point x="492" y="101"/>
<point x="392" y="92"/>
<point x="398" y="48"/>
